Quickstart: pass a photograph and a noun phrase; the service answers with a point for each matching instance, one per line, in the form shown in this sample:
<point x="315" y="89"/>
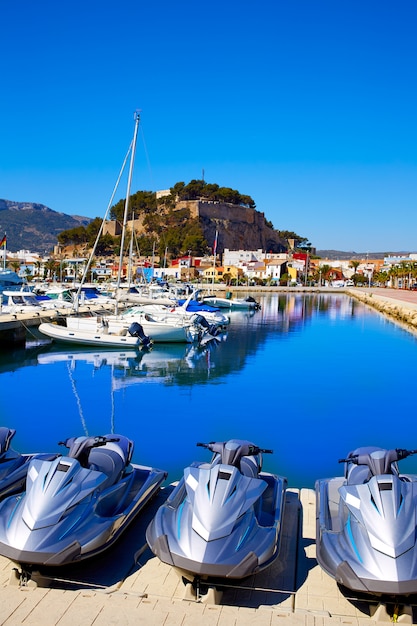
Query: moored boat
<point x="22" y="301"/>
<point x="93" y="335"/>
<point x="241" y="304"/>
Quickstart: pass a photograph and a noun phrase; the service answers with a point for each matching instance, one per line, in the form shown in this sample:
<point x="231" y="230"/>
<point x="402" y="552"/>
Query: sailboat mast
<point x="129" y="183"/>
<point x="130" y="268"/>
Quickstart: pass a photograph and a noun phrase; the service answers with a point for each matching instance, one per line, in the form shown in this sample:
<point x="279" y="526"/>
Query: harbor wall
<point x="404" y="313"/>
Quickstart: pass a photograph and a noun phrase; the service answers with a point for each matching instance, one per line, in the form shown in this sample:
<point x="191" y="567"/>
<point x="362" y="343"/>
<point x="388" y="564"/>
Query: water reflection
<point x="166" y="364"/>
<point x="310" y="376"/>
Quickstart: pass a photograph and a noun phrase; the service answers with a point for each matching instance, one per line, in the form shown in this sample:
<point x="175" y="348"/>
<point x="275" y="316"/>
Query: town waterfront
<point x="310" y="376"/>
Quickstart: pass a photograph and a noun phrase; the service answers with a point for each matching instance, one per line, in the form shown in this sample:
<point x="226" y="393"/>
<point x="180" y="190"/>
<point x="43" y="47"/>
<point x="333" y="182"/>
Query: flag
<point x="3" y="242"/>
<point x="215" y="244"/>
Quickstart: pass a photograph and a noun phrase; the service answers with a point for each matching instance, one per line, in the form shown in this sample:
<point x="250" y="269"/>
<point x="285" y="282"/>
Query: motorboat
<point x="150" y="294"/>
<point x="10" y="280"/>
<point x="238" y="304"/>
<point x="23" y="301"/>
<point x="90" y="294"/>
<point x="76" y="505"/>
<point x="57" y="297"/>
<point x="367" y="525"/>
<point x="97" y="334"/>
<point x="182" y="314"/>
<point x="160" y="328"/>
<point x="223" y="519"/>
<point x="192" y="306"/>
<point x="13" y="464"/>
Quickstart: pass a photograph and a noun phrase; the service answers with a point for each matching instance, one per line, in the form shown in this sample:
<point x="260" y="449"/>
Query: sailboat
<point x="99" y="333"/>
<point x="119" y="330"/>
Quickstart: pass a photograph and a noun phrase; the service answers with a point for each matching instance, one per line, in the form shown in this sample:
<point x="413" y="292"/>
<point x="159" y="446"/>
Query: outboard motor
<point x="252" y="300"/>
<point x="200" y="320"/>
<point x="136" y="330"/>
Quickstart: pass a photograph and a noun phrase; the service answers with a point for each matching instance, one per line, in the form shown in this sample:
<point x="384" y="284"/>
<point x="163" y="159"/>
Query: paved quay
<point x="400" y="305"/>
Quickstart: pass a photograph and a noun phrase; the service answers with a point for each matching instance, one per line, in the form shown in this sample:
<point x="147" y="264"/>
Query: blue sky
<point x="310" y="107"/>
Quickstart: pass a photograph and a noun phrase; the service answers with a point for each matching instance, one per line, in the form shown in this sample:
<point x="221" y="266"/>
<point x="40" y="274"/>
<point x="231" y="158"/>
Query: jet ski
<point x="366" y="524"/>
<point x="223" y="519"/>
<point x="13" y="465"/>
<point x="76" y="505"/>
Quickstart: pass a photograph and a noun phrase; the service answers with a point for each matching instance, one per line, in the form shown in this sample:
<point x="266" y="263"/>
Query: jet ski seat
<point x="248" y="467"/>
<point x="359" y="475"/>
<point x="110" y="454"/>
<point x="8" y="456"/>
<point x="108" y="462"/>
<point x="6" y="435"/>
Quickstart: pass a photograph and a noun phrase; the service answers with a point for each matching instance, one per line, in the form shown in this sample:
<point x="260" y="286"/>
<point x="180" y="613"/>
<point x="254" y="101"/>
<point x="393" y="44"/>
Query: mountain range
<point x="34" y="227"/>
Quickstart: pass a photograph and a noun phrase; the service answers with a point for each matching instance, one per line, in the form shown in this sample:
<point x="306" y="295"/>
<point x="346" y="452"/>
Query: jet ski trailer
<point x="366" y="524"/>
<point x="223" y="519"/>
<point x="76" y="505"/>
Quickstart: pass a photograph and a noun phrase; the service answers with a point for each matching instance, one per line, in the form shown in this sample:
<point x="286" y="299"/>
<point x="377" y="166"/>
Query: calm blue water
<point x="310" y="376"/>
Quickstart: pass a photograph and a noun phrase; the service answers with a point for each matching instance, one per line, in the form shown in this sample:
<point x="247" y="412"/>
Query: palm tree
<point x="354" y="265"/>
<point x="325" y="272"/>
<point x="15" y="265"/>
<point x="381" y="277"/>
<point x="394" y="274"/>
<point x="51" y="267"/>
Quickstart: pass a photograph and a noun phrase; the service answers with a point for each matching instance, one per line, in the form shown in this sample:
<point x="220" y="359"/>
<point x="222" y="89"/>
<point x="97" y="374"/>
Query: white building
<point x="239" y="257"/>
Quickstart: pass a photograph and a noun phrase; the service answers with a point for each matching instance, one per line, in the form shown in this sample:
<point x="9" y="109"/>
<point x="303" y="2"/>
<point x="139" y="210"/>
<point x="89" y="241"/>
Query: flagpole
<point x="214" y="260"/>
<point x="3" y="245"/>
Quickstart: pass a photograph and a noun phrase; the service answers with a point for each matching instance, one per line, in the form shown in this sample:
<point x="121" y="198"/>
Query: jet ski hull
<point x="92" y="521"/>
<point x="368" y="544"/>
<point x="251" y="543"/>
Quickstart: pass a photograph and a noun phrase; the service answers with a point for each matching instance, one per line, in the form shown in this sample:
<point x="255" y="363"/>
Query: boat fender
<point x="136" y="330"/>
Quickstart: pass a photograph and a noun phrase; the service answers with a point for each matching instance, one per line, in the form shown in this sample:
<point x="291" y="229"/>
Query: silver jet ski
<point x="224" y="518"/>
<point x="367" y="523"/>
<point x="76" y="505"/>
<point x="13" y="465"/>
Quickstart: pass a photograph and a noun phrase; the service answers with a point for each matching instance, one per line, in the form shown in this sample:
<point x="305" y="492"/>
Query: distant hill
<point x="344" y="256"/>
<point x="34" y="227"/>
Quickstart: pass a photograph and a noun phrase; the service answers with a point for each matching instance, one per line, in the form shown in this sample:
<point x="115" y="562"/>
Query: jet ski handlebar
<point x="395" y="455"/>
<point x="215" y="446"/>
<point x="234" y="451"/>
